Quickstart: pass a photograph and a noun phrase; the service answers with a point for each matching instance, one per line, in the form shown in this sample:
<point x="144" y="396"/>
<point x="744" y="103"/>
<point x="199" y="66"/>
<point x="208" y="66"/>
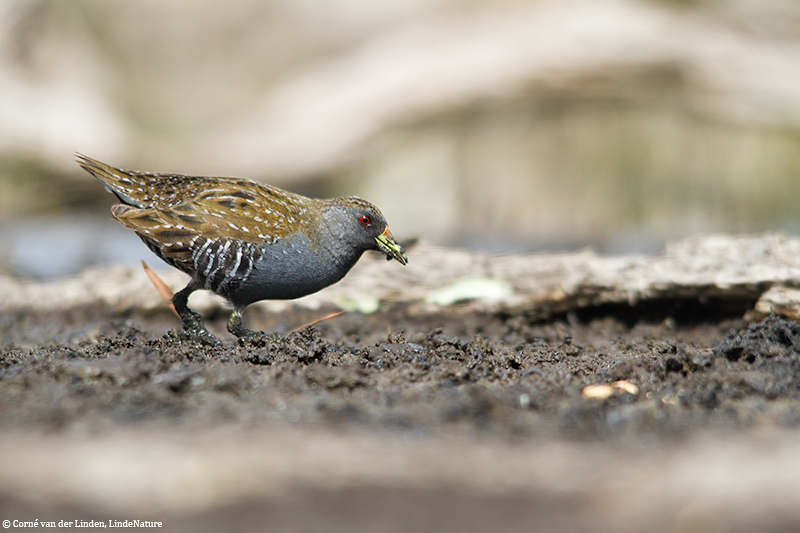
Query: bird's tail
<point x="121" y="183"/>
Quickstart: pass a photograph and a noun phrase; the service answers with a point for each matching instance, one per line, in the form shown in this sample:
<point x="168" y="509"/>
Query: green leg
<point x="192" y="322"/>
<point x="235" y="326"/>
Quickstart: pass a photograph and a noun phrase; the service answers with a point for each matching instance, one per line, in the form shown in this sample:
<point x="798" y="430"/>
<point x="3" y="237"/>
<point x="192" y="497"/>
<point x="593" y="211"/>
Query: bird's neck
<point x="332" y="240"/>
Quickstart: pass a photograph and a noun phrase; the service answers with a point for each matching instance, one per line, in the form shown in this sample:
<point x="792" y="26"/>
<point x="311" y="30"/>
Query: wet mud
<point x="497" y="374"/>
<point x="502" y="377"/>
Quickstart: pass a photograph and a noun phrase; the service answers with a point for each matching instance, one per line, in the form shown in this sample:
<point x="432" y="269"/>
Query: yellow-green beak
<point x="390" y="247"/>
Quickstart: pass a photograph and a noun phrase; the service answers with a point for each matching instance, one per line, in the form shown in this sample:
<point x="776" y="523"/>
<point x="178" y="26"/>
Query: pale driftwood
<point x="442" y="59"/>
<point x="736" y="268"/>
<point x="781" y="300"/>
<point x="322" y="117"/>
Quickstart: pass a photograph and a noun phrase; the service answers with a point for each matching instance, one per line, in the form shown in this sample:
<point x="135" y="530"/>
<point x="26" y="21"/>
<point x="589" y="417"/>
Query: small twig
<point x="162" y="288"/>
<point x="317" y="321"/>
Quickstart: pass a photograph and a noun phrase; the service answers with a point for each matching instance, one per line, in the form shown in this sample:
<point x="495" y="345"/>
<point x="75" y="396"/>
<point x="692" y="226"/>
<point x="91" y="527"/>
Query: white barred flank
<point x="216" y="228"/>
<point x="222" y="265"/>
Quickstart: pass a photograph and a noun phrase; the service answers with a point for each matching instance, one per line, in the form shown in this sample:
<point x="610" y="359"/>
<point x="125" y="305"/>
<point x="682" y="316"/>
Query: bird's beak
<point x="389" y="246"/>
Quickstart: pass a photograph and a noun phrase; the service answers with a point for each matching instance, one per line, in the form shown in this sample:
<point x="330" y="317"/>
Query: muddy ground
<point x="485" y="414"/>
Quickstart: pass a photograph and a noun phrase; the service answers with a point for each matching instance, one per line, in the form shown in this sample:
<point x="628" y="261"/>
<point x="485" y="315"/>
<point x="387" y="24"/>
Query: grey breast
<point x="293" y="267"/>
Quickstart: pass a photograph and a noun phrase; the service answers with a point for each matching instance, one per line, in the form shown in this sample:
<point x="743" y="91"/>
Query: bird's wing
<point x="167" y="239"/>
<point x="176" y="214"/>
<point x="218" y="215"/>
<point x="145" y="189"/>
<point x="245" y="210"/>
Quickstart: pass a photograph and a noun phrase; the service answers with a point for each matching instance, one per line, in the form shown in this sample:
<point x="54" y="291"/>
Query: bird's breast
<point x="292" y="267"/>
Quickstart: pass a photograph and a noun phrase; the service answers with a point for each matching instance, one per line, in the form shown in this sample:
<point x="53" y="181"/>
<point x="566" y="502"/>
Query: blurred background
<point x="500" y="125"/>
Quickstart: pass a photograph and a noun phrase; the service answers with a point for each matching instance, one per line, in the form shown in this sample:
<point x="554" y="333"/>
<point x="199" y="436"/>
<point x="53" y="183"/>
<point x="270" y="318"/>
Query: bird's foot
<point x="201" y="336"/>
<point x="194" y="330"/>
<point x="194" y="335"/>
<point x="247" y="337"/>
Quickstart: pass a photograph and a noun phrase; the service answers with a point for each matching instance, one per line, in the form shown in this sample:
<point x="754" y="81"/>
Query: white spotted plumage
<point x="223" y="233"/>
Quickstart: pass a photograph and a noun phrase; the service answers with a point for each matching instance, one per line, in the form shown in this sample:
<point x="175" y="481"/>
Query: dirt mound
<point x="475" y="400"/>
<point x="485" y="372"/>
<point x="772" y="337"/>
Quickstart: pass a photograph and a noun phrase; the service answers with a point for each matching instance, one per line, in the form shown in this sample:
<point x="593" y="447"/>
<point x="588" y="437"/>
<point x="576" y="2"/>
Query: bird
<point x="242" y="239"/>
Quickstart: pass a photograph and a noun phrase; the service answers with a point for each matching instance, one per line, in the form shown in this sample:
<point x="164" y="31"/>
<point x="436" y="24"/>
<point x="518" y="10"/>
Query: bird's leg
<point x="235" y="326"/>
<point x="192" y="322"/>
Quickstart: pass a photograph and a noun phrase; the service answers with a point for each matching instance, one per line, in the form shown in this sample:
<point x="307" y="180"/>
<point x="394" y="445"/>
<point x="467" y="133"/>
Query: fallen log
<point x="757" y="272"/>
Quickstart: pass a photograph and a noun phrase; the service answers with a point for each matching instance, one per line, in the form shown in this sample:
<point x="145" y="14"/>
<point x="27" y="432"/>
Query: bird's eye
<point x="365" y="220"/>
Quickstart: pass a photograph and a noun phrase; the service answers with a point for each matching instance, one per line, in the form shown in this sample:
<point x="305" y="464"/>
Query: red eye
<point x="365" y="220"/>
